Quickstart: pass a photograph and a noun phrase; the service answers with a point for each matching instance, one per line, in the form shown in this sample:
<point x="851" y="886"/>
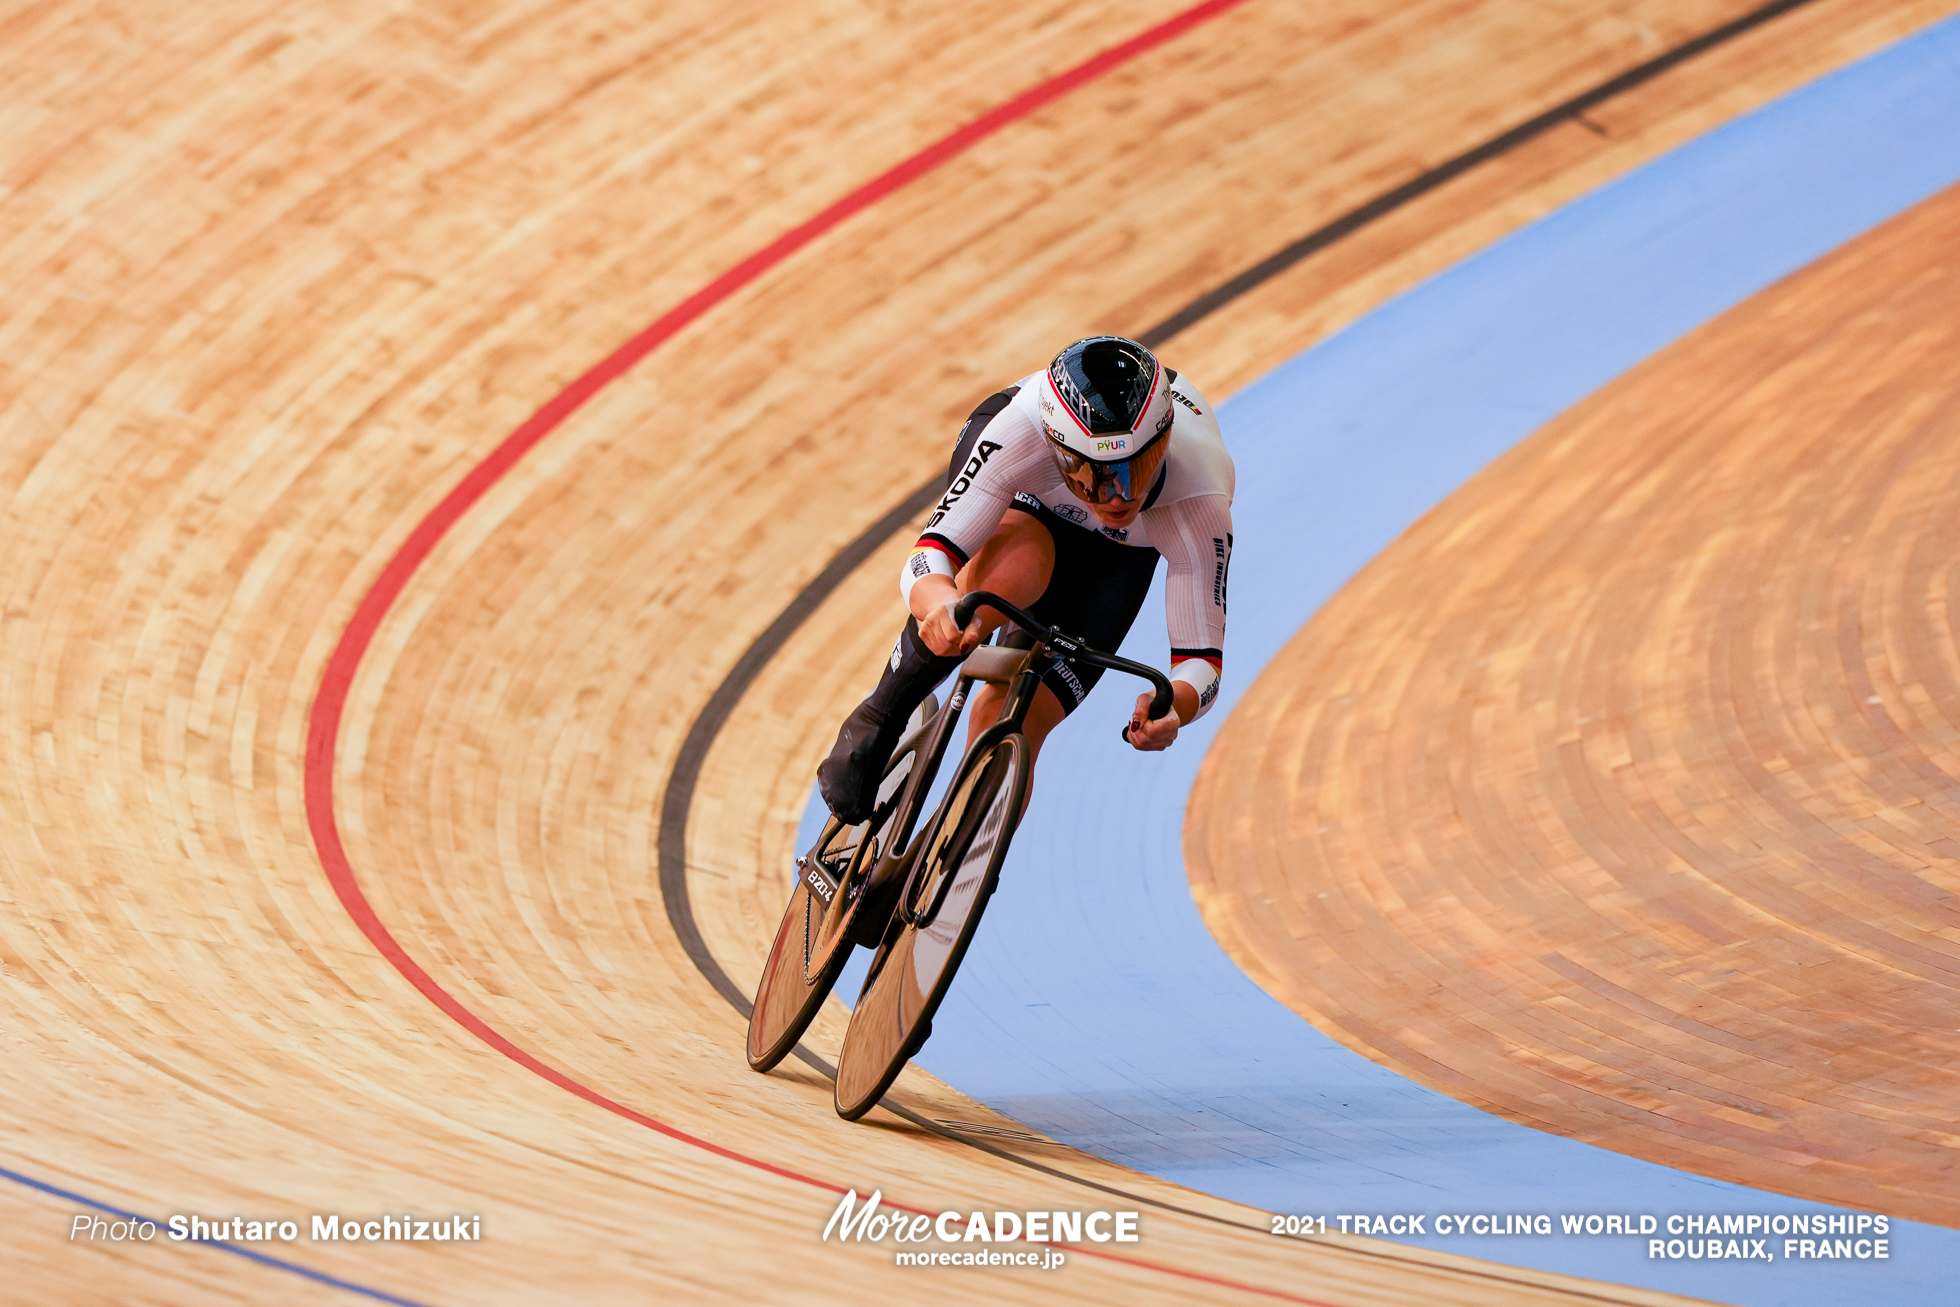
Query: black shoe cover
<point x="848" y="778"/>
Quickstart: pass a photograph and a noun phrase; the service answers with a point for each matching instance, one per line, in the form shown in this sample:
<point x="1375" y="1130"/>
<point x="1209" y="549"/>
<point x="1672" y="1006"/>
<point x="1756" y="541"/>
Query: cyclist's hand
<point x="1147" y="735"/>
<point x="946" y="639"/>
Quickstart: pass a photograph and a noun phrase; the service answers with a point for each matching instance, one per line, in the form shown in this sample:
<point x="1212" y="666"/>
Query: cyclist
<point x="1062" y="492"/>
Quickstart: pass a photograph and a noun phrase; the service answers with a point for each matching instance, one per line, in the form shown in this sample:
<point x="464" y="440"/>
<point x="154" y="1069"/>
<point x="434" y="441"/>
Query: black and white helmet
<point x="1106" y="410"/>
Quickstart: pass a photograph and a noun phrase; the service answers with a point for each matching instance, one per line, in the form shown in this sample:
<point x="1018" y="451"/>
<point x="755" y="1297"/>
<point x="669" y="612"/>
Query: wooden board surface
<point x="279" y="276"/>
<point x="1618" y="796"/>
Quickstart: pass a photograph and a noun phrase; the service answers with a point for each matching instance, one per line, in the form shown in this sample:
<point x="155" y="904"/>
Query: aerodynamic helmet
<point x="1106" y="409"/>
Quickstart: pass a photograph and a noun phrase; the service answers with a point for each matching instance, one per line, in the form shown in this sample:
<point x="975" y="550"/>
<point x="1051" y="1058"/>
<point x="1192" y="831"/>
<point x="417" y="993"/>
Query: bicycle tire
<point x="790" y="993"/>
<point x="951" y="883"/>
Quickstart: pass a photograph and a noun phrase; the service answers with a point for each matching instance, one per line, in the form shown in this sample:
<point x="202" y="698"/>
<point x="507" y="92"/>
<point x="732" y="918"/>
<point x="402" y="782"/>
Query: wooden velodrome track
<point x="279" y="278"/>
<point x="1630" y="772"/>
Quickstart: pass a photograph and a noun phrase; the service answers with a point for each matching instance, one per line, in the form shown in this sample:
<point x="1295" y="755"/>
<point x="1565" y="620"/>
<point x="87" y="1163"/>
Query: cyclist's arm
<point x="1151" y="736"/>
<point x="931" y="600"/>
<point x="1007" y="450"/>
<point x="928" y="587"/>
<point x="1197" y="557"/>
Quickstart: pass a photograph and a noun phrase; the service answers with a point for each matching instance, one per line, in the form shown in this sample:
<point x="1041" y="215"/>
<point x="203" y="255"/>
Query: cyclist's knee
<point x="1044" y="715"/>
<point x="984" y="709"/>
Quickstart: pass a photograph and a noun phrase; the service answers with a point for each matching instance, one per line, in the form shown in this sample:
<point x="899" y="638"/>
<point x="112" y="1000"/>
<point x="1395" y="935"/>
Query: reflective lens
<point x="1102" y="483"/>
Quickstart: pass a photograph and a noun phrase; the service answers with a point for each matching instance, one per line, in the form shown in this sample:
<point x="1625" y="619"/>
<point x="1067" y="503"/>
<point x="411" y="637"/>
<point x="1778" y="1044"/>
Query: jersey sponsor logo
<point x="964" y="482"/>
<point x="1120" y="534"/>
<point x="1187" y="403"/>
<point x="1221" y="568"/>
<point x="1072" y="513"/>
<point x="921" y="563"/>
<point x="1024" y="500"/>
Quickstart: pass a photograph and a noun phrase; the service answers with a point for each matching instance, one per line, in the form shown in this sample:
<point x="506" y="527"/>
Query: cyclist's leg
<point x="1092" y="588"/>
<point x="848" y="777"/>
<point x="1044" y="715"/>
<point x="1015" y="563"/>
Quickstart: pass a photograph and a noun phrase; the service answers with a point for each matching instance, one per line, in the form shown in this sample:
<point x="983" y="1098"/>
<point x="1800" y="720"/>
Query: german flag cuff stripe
<point x="933" y="540"/>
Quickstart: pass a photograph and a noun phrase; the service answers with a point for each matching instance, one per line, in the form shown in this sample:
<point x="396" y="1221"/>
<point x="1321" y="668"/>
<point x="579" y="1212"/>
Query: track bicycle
<point x="915" y="896"/>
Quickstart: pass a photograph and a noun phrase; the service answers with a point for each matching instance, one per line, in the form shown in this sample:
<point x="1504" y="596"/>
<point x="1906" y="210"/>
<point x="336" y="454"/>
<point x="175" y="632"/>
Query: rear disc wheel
<point x="812" y="942"/>
<point x="788" y="995"/>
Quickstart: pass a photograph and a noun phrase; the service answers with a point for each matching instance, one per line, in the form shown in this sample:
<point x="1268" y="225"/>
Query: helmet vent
<point x="1106" y="381"/>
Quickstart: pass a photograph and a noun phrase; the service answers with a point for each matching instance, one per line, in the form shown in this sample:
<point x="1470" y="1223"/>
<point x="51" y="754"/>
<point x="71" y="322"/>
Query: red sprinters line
<point x="329" y="706"/>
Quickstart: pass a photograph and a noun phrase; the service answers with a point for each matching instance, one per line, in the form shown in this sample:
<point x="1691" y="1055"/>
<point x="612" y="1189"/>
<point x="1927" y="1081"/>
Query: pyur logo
<point x="1111" y="446"/>
<point x="964" y="482"/>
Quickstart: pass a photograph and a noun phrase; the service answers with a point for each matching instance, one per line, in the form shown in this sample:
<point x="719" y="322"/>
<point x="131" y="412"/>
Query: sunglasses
<point x="1102" y="483"/>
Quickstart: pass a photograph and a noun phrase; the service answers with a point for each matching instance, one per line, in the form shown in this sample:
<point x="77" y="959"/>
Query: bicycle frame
<point x="911" y="799"/>
<point x="901" y="852"/>
<point x="870" y="891"/>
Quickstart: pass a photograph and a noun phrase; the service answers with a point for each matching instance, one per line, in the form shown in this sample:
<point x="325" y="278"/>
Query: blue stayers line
<point x="264" y="1260"/>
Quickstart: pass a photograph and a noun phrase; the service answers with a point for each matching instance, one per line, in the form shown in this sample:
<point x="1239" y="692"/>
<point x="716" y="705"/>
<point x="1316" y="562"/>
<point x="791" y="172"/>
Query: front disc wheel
<point x="938" y="917"/>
